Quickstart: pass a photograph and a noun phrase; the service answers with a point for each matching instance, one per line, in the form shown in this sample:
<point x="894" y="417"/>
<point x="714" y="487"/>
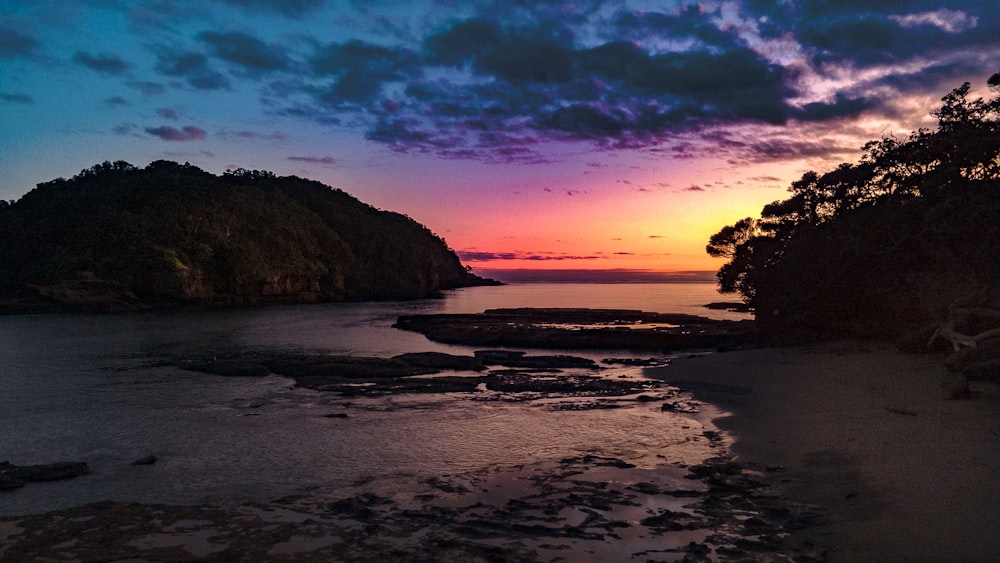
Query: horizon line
<point x="607" y="275"/>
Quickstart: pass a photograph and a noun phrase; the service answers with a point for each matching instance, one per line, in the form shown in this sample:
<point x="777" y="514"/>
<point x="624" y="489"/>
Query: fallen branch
<point x="958" y="340"/>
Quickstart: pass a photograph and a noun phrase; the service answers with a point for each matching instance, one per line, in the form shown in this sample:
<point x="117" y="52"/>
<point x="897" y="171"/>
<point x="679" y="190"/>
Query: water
<point x="102" y="389"/>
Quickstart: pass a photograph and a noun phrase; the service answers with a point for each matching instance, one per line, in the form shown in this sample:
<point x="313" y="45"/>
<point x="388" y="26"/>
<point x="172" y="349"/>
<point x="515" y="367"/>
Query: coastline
<point x="867" y="434"/>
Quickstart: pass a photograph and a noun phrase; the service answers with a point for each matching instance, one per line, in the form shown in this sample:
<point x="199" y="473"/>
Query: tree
<point x="866" y="238"/>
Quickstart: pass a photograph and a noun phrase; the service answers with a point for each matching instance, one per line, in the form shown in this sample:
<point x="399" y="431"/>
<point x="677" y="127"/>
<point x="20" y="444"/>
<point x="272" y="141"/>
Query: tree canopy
<point x="889" y="241"/>
<point x="172" y="233"/>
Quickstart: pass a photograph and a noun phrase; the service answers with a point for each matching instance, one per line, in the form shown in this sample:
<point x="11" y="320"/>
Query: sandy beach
<point x="868" y="434"/>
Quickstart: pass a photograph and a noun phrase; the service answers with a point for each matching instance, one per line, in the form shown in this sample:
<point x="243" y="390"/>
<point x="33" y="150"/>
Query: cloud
<point x="245" y="134"/>
<point x="16" y="98"/>
<point x="290" y="8"/>
<point x="949" y="21"/>
<point x="186" y="133"/>
<point x="116" y="101"/>
<point x="498" y="81"/>
<point x="480" y="256"/>
<point x="361" y="70"/>
<point x="693" y="189"/>
<point x="167" y="113"/>
<point x="194" y="68"/>
<point x="147" y="88"/>
<point x="313" y="159"/>
<point x="15" y="43"/>
<point x="105" y="62"/>
<point x="248" y="52"/>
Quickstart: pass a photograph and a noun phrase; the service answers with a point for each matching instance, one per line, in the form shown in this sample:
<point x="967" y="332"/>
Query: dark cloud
<point x="116" y="101"/>
<point x="519" y="55"/>
<point x="16" y="98"/>
<point x="360" y="69"/>
<point x="147" y="88"/>
<point x="15" y="43"/>
<point x="767" y="150"/>
<point x="313" y="159"/>
<point x="105" y="62"/>
<point x="497" y="87"/>
<point x="192" y="67"/>
<point x="248" y="52"/>
<point x="186" y="133"/>
<point x="842" y="106"/>
<point x="693" y="189"/>
<point x="167" y="113"/>
<point x="290" y="8"/>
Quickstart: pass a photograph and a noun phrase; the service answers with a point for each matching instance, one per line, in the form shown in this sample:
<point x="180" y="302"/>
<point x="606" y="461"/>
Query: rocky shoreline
<point x="590" y="505"/>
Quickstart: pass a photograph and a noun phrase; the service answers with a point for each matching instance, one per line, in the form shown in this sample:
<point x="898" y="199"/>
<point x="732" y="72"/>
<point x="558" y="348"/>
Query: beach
<point x="869" y="435"/>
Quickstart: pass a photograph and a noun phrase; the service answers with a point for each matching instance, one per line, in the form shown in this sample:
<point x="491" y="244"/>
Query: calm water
<point x="96" y="388"/>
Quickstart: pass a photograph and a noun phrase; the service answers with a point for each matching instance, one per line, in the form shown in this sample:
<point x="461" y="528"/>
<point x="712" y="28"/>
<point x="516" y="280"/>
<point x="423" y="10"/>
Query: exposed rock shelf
<point x="580" y="329"/>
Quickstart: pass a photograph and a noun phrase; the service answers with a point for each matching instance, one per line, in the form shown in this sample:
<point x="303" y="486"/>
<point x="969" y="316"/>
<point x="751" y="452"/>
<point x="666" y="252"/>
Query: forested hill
<point x="117" y="236"/>
<point x="903" y="238"/>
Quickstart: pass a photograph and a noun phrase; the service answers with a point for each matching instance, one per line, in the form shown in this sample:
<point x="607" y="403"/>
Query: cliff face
<point x="116" y="236"/>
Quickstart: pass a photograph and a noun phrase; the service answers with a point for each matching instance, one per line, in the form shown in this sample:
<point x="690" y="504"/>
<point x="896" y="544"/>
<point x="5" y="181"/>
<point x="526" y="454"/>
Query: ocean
<point x="106" y="389"/>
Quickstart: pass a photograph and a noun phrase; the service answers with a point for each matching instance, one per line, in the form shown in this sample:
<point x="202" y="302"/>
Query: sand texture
<point x="868" y="434"/>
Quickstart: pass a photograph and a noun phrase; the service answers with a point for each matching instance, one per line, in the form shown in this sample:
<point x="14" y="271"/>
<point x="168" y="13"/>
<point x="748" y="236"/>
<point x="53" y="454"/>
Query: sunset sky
<point x="547" y="135"/>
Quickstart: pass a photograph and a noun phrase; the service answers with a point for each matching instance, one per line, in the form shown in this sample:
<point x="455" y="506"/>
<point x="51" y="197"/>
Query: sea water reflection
<point x="97" y="388"/>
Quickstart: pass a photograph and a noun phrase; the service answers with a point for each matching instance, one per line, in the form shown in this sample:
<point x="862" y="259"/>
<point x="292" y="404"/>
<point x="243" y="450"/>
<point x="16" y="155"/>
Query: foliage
<point x="174" y="233"/>
<point x="889" y="241"/>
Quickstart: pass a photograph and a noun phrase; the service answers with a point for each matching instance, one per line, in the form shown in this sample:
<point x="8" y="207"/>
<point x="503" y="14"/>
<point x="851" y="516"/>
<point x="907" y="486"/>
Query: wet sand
<point x="868" y="434"/>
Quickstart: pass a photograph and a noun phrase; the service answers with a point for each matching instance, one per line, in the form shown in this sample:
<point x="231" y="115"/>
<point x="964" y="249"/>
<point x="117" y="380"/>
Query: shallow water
<point x="95" y="388"/>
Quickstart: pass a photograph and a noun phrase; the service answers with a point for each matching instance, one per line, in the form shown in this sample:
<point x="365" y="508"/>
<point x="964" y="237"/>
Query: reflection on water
<point x="93" y="388"/>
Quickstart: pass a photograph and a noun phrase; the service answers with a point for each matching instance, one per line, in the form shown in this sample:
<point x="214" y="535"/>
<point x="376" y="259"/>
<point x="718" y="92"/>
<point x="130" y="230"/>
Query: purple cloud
<point x="167" y="113"/>
<point x="480" y="256"/>
<point x="186" y="133"/>
<point x="313" y="159"/>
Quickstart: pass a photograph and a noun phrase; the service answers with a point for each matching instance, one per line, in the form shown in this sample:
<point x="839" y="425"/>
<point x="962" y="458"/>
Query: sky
<point x="545" y="135"/>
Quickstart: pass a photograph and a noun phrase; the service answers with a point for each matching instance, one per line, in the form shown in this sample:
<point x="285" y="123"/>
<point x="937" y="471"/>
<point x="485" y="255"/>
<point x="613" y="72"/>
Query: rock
<point x="514" y="359"/>
<point x="148" y="460"/>
<point x="441" y="361"/>
<point x="580" y="329"/>
<point x="16" y="476"/>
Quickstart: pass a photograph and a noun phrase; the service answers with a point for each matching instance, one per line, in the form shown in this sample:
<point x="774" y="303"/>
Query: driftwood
<point x="975" y="355"/>
<point x="958" y="340"/>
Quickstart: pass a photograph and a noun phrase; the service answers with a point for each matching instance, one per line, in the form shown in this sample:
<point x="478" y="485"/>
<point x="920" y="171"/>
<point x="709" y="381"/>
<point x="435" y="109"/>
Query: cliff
<point x="119" y="237"/>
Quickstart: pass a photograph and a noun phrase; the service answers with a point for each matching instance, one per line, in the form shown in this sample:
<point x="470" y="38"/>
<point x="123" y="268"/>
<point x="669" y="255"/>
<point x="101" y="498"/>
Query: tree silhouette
<point x="909" y="228"/>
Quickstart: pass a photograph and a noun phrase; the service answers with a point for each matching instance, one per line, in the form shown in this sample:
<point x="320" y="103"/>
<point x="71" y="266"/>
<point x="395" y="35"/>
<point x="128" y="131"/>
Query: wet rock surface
<point x="16" y="476"/>
<point x="580" y="329"/>
<point x="509" y="371"/>
<point x="586" y="506"/>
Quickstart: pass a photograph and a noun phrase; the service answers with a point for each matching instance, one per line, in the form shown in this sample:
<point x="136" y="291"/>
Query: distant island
<point x="118" y="237"/>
